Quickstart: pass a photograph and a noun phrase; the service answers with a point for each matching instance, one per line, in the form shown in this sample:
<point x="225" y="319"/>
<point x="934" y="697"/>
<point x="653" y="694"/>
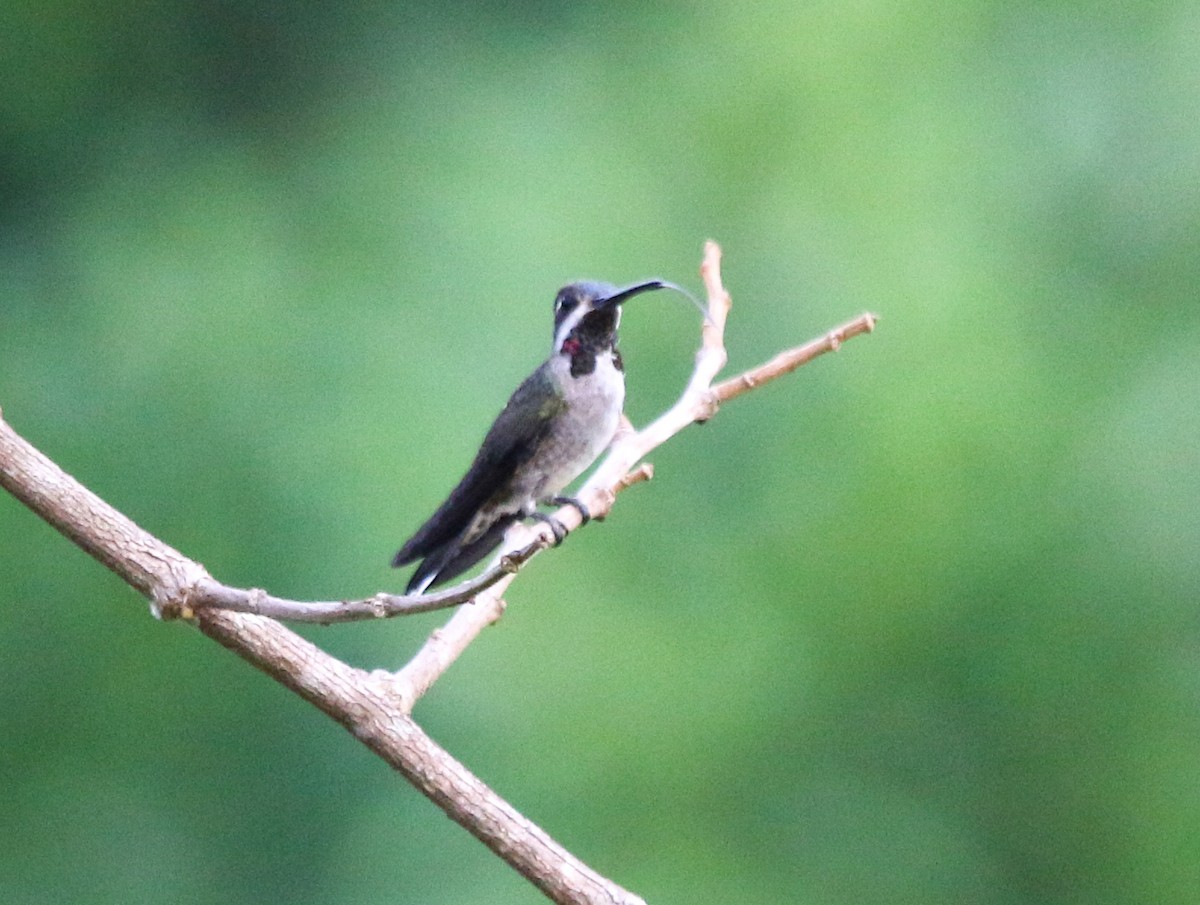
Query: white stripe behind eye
<point x="570" y="323"/>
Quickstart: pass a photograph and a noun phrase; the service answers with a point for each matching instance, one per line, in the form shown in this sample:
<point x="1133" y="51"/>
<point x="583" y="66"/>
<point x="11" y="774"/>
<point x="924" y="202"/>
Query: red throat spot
<point x="571" y="346"/>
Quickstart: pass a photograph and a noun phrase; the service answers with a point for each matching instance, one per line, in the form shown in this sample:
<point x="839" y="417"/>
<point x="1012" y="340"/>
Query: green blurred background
<point x="917" y="624"/>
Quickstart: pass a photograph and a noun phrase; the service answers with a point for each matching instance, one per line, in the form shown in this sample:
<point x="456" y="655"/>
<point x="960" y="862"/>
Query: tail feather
<point x="453" y="558"/>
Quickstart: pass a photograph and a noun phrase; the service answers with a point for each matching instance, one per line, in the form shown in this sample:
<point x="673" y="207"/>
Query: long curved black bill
<point x="629" y="292"/>
<point x="622" y="295"/>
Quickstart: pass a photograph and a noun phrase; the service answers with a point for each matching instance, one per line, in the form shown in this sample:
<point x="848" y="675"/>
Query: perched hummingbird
<point x="556" y="424"/>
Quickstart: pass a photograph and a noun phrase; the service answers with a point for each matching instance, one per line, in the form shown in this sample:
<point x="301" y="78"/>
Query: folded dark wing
<point x="517" y="432"/>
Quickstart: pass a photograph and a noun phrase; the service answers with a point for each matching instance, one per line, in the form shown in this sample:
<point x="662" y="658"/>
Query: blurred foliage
<point x="918" y="624"/>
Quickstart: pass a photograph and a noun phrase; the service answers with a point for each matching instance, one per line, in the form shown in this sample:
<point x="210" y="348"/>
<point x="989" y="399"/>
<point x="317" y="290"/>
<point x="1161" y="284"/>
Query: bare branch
<point x="357" y="700"/>
<point x="368" y="710"/>
<point x="209" y="593"/>
<point x="698" y="403"/>
<point x="375" y="707"/>
<point x="786" y="362"/>
<point x="619" y="469"/>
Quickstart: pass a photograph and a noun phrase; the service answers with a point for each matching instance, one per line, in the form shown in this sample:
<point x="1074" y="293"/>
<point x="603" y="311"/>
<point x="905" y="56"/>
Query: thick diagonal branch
<point x="367" y="707"/>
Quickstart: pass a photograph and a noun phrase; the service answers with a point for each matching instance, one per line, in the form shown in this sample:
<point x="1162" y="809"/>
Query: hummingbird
<point x="557" y="423"/>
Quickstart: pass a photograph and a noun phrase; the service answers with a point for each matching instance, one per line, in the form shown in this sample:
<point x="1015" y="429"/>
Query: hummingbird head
<point x="586" y="315"/>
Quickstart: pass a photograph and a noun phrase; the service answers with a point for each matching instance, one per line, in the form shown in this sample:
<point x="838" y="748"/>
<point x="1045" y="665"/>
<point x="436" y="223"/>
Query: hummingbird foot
<point x="556" y="527"/>
<point x="585" y="514"/>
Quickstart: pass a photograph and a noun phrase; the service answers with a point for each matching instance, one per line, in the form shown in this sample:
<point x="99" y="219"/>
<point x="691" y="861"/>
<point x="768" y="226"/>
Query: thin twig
<point x="698" y="403"/>
<point x="619" y="469"/>
<point x="209" y="593"/>
<point x="788" y="361"/>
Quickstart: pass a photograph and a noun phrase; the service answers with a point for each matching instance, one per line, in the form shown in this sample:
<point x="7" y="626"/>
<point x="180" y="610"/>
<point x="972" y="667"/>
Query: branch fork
<point x="376" y="707"/>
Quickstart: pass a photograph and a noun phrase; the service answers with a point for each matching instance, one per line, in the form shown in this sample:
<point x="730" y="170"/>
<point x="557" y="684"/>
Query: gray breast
<point x="593" y="412"/>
